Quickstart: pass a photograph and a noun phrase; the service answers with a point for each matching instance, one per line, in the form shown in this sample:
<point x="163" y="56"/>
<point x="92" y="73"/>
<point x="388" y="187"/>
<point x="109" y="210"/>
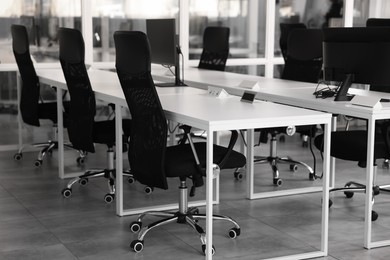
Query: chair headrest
<point x="20" y="42"/>
<point x="72" y="47"/>
<point x="216" y="39"/>
<point x="305" y="44"/>
<point x="132" y="52"/>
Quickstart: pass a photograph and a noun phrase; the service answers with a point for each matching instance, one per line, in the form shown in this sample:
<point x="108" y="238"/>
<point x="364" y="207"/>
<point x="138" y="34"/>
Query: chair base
<point x="108" y="173"/>
<point x="351" y="187"/>
<point x="184" y="215"/>
<point x="47" y="148"/>
<point x="274" y="161"/>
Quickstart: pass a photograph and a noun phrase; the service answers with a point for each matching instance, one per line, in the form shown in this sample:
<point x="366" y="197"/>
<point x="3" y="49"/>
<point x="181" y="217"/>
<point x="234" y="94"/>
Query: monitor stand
<point x="177" y="83"/>
<point x="342" y="93"/>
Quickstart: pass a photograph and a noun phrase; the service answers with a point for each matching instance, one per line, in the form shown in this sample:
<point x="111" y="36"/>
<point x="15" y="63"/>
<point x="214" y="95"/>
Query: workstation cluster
<point x="320" y="67"/>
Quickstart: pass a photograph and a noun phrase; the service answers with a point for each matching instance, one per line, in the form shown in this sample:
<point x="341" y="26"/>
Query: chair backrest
<point x="379" y="22"/>
<point x="304" y="55"/>
<point x="285" y="29"/>
<point x="148" y="137"/>
<point x="82" y="107"/>
<point x="29" y="98"/>
<point x="371" y="22"/>
<point x="215" y="48"/>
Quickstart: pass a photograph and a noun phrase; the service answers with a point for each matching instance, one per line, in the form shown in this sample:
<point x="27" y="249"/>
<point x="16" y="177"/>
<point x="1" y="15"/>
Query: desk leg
<point x="119" y="160"/>
<point x="18" y="93"/>
<point x="325" y="191"/>
<point x="209" y="195"/>
<point x="250" y="164"/>
<point x="172" y="136"/>
<point x="369" y="183"/>
<point x="333" y="160"/>
<point x="60" y="129"/>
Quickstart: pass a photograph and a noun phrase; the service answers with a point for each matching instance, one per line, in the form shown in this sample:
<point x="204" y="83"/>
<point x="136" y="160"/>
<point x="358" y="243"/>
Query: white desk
<point x="299" y="94"/>
<point x="210" y="114"/>
<point x="305" y="98"/>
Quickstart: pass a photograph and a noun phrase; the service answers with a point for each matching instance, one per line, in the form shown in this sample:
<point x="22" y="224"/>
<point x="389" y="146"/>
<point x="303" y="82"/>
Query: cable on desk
<point x="325" y="92"/>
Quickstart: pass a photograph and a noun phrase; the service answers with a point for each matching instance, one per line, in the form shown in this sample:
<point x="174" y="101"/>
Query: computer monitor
<point x="164" y="45"/>
<point x="356" y="55"/>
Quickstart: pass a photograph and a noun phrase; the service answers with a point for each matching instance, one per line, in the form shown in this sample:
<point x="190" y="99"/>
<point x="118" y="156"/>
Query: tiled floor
<point x="37" y="223"/>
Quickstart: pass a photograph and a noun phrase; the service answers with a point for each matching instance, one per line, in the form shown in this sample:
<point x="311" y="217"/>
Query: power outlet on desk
<point x="217" y="92"/>
<point x="250" y="84"/>
<point x="248" y="97"/>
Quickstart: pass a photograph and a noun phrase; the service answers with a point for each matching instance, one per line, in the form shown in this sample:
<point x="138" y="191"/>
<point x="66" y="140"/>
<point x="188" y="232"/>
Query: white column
<point x="86" y="29"/>
<point x="270" y="38"/>
<point x="253" y="35"/>
<point x="184" y="32"/>
<point x="348" y="13"/>
<point x="375" y="9"/>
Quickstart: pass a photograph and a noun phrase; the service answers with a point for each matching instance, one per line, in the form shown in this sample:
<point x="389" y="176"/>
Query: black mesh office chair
<point x="285" y="29"/>
<point x="303" y="62"/>
<point x="215" y="48"/>
<point x="83" y="130"/>
<point x="151" y="160"/>
<point x="32" y="107"/>
<point x="352" y="146"/>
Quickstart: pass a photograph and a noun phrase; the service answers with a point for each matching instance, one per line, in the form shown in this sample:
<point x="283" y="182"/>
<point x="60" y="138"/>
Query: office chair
<point x="352" y="146"/>
<point x="83" y="130"/>
<point x="151" y="160"/>
<point x="379" y="22"/>
<point x="32" y="107"/>
<point x="285" y="29"/>
<point x="303" y="62"/>
<point x="215" y="48"/>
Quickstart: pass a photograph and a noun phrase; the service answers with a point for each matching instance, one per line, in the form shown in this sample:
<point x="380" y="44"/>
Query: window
<point x="109" y="16"/>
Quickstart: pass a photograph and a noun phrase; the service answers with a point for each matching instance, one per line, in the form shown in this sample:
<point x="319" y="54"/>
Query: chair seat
<point x="352" y="145"/>
<point x="184" y="155"/>
<point x="48" y="110"/>
<point x="104" y="131"/>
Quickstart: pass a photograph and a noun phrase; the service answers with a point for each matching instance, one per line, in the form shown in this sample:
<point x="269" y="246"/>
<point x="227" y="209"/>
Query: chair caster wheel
<point x="80" y="161"/>
<point x="148" y="190"/>
<point x="234" y="232"/>
<point x="204" y="249"/>
<point x="374" y="215"/>
<point x="137" y="245"/>
<point x="66" y="193"/>
<point x="238" y="175"/>
<point x="18" y="156"/>
<point x="135" y="226"/>
<point x="305" y="144"/>
<point x="38" y="163"/>
<point x="130" y="180"/>
<point x="278" y="182"/>
<point x="83" y="181"/>
<point x="312" y="176"/>
<point x="348" y="194"/>
<point x="293" y="167"/>
<point x="108" y="198"/>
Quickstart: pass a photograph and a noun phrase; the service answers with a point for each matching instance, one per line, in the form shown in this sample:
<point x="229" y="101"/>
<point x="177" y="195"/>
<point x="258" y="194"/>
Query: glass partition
<point x="245" y="18"/>
<point x="313" y="14"/>
<point x="112" y="15"/>
<point x="42" y="19"/>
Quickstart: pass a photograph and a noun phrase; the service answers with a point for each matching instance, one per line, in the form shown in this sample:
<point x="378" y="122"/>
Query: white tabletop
<point x="106" y="85"/>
